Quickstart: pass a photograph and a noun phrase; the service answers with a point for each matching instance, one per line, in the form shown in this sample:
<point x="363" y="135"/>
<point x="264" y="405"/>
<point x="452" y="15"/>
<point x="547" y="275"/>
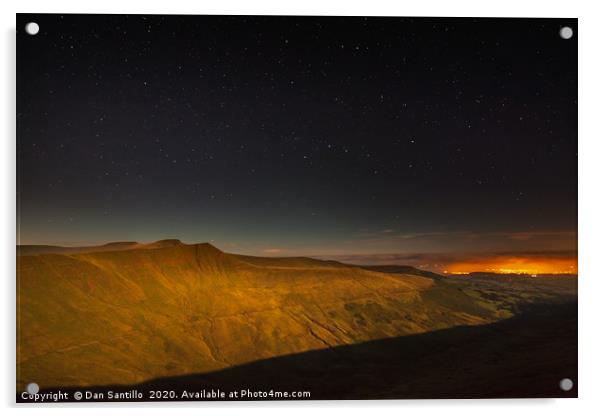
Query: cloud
<point x="273" y="250"/>
<point x="391" y="241"/>
<point x="472" y="260"/>
<point x="528" y="235"/>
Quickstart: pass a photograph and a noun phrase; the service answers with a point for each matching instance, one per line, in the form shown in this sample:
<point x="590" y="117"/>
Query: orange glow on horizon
<point x="519" y="265"/>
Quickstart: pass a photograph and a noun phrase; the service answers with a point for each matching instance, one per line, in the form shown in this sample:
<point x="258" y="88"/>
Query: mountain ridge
<point x="125" y="316"/>
<point x="36" y="249"/>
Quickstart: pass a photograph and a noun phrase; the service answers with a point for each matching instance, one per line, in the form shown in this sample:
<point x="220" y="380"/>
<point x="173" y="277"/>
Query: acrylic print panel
<point x="295" y="208"/>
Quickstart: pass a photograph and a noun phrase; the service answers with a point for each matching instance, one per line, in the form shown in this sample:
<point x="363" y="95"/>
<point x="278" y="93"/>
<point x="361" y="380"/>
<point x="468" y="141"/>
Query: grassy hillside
<point x="523" y="356"/>
<point x="126" y="316"/>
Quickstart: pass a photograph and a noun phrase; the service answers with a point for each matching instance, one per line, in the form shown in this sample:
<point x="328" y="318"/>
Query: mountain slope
<point x="524" y="356"/>
<point x="30" y="250"/>
<point x="107" y="317"/>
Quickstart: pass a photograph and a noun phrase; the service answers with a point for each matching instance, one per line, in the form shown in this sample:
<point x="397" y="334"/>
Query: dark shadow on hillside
<point x="524" y="356"/>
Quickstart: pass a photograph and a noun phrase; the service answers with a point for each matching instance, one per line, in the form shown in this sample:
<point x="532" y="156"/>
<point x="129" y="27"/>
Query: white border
<point x="590" y="207"/>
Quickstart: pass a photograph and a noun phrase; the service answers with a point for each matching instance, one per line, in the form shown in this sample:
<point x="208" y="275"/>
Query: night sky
<point x="319" y="136"/>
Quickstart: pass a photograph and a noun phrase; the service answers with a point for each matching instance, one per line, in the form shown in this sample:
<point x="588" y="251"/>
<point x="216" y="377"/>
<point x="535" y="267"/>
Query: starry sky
<point x="388" y="139"/>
